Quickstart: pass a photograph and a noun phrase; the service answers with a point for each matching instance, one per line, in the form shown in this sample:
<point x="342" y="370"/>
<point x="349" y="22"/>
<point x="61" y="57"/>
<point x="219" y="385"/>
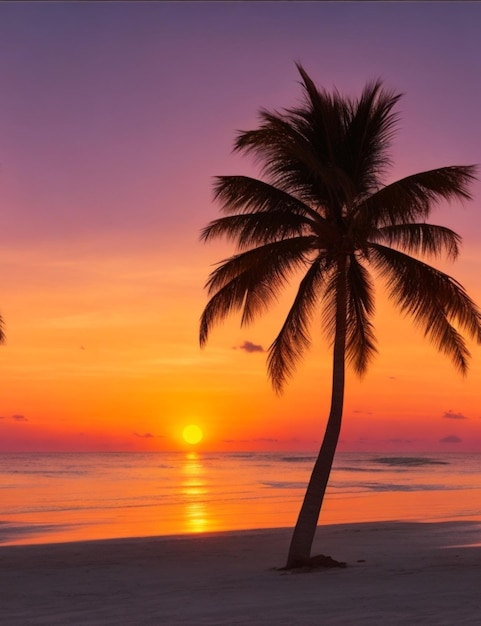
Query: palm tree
<point x="323" y="209"/>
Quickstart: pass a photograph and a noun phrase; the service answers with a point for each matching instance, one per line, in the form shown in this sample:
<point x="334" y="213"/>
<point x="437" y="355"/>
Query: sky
<point x="114" y="120"/>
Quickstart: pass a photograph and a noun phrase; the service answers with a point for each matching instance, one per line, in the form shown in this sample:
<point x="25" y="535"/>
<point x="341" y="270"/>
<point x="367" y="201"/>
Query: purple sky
<point x="114" y="116"/>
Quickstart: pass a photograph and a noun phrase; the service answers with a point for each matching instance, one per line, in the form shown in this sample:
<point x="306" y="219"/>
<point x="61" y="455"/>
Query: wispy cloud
<point x="248" y="346"/>
<point x="19" y="418"/>
<point x="451" y="415"/>
<point x="146" y="435"/>
<point x="15" y="418"/>
<point x="451" y="439"/>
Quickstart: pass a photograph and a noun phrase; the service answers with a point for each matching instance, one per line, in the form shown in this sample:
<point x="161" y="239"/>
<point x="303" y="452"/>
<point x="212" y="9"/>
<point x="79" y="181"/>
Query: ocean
<point x="57" y="497"/>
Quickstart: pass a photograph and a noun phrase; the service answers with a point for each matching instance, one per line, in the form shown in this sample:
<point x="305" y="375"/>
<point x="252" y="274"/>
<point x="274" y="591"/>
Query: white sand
<point x="398" y="573"/>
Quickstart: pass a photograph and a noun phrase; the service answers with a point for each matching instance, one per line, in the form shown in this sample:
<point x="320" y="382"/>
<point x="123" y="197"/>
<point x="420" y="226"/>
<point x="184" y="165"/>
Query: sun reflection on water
<point x="194" y="490"/>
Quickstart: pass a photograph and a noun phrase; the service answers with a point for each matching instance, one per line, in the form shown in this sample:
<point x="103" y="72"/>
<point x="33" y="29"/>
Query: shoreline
<point x="397" y="573"/>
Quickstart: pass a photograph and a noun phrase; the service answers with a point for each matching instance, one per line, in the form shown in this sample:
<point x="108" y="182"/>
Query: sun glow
<point x="192" y="434"/>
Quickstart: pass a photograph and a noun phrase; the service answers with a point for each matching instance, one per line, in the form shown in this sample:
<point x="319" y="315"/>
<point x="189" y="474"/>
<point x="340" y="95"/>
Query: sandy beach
<point x="397" y="573"/>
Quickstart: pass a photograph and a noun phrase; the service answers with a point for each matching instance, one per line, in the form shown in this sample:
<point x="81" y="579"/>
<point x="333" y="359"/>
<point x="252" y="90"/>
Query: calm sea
<point x="80" y="496"/>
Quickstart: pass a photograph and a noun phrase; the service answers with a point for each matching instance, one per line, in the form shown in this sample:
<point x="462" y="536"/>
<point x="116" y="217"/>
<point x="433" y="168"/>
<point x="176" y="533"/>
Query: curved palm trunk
<point x="305" y="529"/>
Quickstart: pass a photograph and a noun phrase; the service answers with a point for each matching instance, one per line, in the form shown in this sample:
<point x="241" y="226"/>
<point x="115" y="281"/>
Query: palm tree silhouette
<point x="323" y="209"/>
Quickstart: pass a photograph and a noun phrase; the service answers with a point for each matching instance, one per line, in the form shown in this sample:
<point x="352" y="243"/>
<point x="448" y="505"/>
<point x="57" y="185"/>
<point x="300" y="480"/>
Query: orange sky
<point x="111" y="361"/>
<point x="107" y="157"/>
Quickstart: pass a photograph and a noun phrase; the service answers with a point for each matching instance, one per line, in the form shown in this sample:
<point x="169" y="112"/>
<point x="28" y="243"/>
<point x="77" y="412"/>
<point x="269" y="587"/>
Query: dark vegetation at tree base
<point x="319" y="561"/>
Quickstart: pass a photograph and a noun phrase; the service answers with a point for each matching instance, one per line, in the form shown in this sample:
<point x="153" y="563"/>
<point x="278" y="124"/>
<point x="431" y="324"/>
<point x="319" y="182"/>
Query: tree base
<point x="319" y="561"/>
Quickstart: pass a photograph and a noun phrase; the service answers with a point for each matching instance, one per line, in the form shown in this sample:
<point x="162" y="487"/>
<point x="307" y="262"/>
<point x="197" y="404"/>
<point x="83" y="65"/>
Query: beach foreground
<point x="397" y="573"/>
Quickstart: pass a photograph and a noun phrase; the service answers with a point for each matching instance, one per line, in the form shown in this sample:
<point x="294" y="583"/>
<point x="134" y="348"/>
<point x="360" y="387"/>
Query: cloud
<point x="450" y="439"/>
<point x="19" y="418"/>
<point x="145" y="435"/>
<point x="248" y="346"/>
<point x="450" y="415"/>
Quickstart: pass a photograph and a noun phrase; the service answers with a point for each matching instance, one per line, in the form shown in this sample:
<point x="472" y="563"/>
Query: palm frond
<point x="293" y="163"/>
<point x="242" y="194"/>
<point x="293" y="338"/>
<point x="433" y="299"/>
<point x="250" y="281"/>
<point x="322" y="119"/>
<point x="371" y="127"/>
<point x="421" y="238"/>
<point x="279" y="256"/>
<point x="353" y="135"/>
<point x="360" y="338"/>
<point x="413" y="197"/>
<point x="247" y="230"/>
<point x="329" y="302"/>
<point x="3" y="337"/>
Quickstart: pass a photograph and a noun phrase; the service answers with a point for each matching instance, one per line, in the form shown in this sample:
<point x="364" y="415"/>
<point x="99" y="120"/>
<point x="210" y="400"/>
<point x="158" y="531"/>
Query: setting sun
<point x="192" y="434"/>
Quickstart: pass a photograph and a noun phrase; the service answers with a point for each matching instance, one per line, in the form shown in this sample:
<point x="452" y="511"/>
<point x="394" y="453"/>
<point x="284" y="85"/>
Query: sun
<point x="192" y="434"/>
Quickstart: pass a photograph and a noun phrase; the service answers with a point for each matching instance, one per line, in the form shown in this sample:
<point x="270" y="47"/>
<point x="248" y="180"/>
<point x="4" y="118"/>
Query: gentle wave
<point x="283" y="484"/>
<point x="48" y="473"/>
<point x="357" y="469"/>
<point x="386" y="487"/>
<point x="409" y="461"/>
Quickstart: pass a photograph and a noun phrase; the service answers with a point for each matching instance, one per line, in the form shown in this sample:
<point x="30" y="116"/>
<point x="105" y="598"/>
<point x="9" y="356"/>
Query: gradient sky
<point x="114" y="118"/>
